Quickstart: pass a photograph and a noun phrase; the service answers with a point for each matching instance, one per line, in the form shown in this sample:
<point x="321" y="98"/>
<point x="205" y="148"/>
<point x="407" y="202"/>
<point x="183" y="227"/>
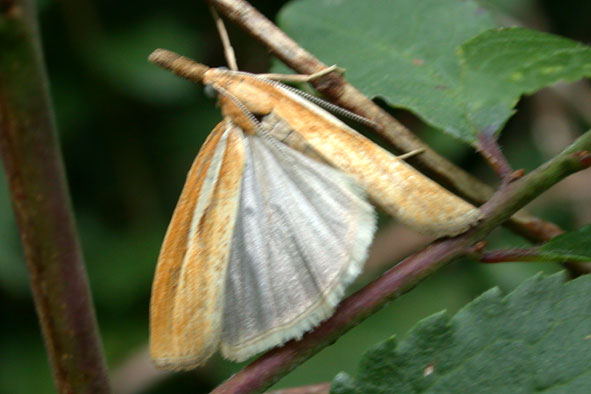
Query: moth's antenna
<point x="228" y="50"/>
<point x="330" y="107"/>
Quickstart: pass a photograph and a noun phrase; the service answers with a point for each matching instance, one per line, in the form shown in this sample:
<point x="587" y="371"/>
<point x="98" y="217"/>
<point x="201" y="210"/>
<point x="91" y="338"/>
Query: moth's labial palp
<point x="210" y="91"/>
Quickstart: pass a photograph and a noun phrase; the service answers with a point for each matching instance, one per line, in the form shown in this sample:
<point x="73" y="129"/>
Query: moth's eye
<point x="210" y="91"/>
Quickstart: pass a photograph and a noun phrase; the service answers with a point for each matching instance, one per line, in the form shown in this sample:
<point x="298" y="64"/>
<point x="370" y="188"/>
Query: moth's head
<point x="209" y="90"/>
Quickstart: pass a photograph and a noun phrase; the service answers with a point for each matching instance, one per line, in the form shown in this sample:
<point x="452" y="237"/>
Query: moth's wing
<point x="392" y="183"/>
<point x="301" y="236"/>
<point x="187" y="293"/>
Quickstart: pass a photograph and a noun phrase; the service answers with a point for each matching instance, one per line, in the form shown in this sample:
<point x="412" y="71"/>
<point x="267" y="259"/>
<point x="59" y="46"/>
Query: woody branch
<point x="36" y="180"/>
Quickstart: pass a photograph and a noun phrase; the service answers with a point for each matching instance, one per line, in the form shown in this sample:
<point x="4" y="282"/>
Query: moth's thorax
<point x="282" y="131"/>
<point x="257" y="95"/>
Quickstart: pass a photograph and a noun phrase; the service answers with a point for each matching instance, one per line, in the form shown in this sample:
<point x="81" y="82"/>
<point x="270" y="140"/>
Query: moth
<point x="273" y="221"/>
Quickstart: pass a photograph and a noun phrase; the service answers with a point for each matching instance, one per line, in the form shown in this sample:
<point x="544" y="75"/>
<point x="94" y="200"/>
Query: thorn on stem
<point x="515" y="175"/>
<point x="584" y="157"/>
<point x="475" y="251"/>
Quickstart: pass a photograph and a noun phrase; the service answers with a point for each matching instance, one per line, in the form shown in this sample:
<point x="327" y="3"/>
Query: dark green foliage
<point x="538" y="338"/>
<point x="575" y="245"/>
<point x="443" y="60"/>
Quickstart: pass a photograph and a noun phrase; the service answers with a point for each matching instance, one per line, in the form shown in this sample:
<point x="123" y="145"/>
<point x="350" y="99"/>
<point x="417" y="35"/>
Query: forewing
<point x="301" y="236"/>
<point x="393" y="184"/>
<point x="187" y="294"/>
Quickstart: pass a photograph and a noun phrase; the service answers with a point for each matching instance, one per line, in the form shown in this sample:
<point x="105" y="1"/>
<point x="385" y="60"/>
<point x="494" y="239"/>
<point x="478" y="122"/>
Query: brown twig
<point x="228" y="50"/>
<point x="37" y="184"/>
<point x="491" y="151"/>
<point x="273" y="365"/>
<point x="337" y="90"/>
<point x="510" y="255"/>
<point x="320" y="388"/>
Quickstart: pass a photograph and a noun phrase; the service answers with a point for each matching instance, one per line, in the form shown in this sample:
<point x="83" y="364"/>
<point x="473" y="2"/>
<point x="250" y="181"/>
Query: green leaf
<point x="501" y="65"/>
<point x="408" y="53"/>
<point x="573" y="246"/>
<point x="538" y="338"/>
<point x="403" y="51"/>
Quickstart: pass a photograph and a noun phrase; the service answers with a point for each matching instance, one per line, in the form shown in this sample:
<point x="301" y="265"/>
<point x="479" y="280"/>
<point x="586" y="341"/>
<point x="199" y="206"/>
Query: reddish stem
<point x="320" y="388"/>
<point x="502" y="256"/>
<point x="490" y="149"/>
<point x="34" y="168"/>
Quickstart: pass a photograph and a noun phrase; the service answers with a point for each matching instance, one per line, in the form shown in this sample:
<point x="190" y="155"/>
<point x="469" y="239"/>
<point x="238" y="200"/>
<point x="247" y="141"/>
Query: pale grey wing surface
<point x="301" y="236"/>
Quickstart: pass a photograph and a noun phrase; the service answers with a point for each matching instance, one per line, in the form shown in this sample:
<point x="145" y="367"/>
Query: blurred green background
<point x="129" y="132"/>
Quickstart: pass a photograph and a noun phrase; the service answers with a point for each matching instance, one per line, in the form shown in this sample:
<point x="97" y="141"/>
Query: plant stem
<point x="524" y="255"/>
<point x="39" y="194"/>
<point x="491" y="151"/>
<point x="510" y="255"/>
<point x="319" y="388"/>
<point x="269" y="368"/>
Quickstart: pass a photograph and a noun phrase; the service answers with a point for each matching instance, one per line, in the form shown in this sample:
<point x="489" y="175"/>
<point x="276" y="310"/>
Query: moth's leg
<point x="228" y="50"/>
<point x="412" y="153"/>
<point x="303" y="77"/>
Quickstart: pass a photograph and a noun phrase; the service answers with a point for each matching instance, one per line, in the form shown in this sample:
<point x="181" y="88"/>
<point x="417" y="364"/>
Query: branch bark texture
<point x="37" y="184"/>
